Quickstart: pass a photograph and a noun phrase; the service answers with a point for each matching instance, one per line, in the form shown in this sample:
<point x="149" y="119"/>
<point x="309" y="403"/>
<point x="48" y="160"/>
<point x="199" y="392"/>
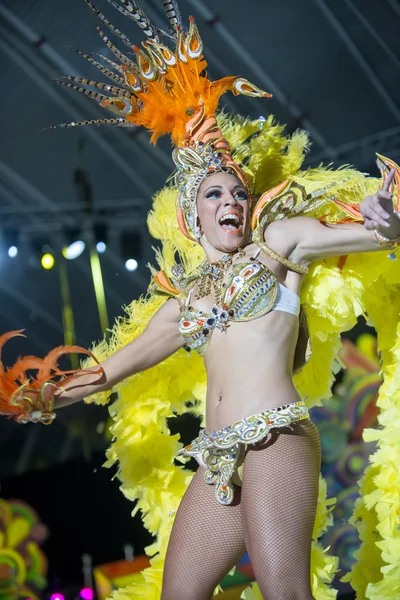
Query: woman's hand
<point x="378" y="211"/>
<point x="30" y="405"/>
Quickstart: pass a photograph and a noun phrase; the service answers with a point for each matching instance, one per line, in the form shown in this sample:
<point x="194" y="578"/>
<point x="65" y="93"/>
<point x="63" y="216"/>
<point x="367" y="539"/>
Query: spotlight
<point x="86" y="594"/>
<point x="100" y="236"/>
<point x="41" y="252"/>
<point x="131" y="264"/>
<point x="12" y="251"/>
<point x="57" y="596"/>
<point x="101" y="247"/>
<point x="131" y="245"/>
<point x="75" y="246"/>
<point x="47" y="261"/>
<point x="10" y="237"/>
<point x="73" y="250"/>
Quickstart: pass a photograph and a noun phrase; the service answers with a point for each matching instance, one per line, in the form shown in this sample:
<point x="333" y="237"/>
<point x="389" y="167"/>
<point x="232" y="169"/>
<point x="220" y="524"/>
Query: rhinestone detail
<point x="218" y="450"/>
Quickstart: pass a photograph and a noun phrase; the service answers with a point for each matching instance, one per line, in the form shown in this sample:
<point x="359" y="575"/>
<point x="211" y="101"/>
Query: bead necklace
<point x="212" y="275"/>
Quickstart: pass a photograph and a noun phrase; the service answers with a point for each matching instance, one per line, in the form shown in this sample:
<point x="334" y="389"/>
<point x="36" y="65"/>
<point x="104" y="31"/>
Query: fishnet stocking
<point x="206" y="542"/>
<point x="273" y="513"/>
<point x="278" y="504"/>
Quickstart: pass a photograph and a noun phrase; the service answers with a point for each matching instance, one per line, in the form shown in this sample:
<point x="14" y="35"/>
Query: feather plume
<point x="121" y="36"/>
<point x="165" y="87"/>
<point x="110" y="74"/>
<point x="134" y="11"/>
<point x="117" y="122"/>
<point x="16" y="381"/>
<point x="105" y="87"/>
<point x="4" y="338"/>
<point x="112" y="64"/>
<point x="121" y="57"/>
<point x="173" y="15"/>
<point x="89" y="93"/>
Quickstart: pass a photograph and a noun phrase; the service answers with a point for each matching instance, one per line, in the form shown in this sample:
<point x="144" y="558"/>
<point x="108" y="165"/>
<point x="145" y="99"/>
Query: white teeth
<point x="230" y="217"/>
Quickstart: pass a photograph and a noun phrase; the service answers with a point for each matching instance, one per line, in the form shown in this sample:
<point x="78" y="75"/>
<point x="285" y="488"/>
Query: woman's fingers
<point x="378" y="208"/>
<point x="370" y="224"/>
<point x="372" y="211"/>
<point x="383" y="195"/>
<point x="389" y="180"/>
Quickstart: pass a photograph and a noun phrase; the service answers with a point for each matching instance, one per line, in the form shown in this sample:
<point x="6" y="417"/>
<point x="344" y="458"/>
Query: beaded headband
<point x="168" y="92"/>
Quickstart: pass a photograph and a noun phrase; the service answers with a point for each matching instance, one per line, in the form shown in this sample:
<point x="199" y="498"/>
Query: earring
<point x="197" y="230"/>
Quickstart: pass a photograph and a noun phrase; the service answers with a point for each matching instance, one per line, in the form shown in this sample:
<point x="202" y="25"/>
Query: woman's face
<point x="223" y="212"/>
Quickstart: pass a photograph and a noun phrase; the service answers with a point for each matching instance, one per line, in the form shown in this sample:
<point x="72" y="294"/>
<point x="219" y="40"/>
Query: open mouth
<point x="231" y="222"/>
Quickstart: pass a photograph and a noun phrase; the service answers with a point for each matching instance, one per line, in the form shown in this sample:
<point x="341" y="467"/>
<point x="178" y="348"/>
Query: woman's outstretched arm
<point x="307" y="240"/>
<point x="159" y="340"/>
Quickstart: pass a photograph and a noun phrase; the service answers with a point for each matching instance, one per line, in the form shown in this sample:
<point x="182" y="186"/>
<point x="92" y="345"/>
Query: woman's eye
<point x="239" y="194"/>
<point x="213" y="194"/>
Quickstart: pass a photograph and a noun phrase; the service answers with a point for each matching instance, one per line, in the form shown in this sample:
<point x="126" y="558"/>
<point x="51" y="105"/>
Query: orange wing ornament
<point x="28" y="398"/>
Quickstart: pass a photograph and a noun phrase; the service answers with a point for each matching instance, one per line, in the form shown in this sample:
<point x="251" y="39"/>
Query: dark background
<point x="85" y="513"/>
<point x="80" y="503"/>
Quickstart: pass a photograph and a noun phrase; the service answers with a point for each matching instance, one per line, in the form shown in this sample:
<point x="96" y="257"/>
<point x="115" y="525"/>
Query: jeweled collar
<point x="212" y="275"/>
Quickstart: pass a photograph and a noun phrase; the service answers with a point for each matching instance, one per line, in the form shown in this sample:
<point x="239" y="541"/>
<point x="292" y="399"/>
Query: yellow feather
<point x="367" y="284"/>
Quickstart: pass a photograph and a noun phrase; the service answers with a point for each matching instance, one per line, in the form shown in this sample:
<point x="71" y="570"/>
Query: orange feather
<point x="15" y="381"/>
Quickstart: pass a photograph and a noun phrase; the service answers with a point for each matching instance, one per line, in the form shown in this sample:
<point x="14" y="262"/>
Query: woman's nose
<point x="231" y="200"/>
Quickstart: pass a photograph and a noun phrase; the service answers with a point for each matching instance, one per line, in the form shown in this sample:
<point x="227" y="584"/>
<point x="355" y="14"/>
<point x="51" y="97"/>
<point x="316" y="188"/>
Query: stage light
<point x="100" y="237"/>
<point x="57" y="596"/>
<point x="41" y="252"/>
<point x="131" y="264"/>
<point x="74" y="250"/>
<point x="47" y="261"/>
<point x="12" y="251"/>
<point x="101" y="247"/>
<point x="131" y="249"/>
<point x="87" y="594"/>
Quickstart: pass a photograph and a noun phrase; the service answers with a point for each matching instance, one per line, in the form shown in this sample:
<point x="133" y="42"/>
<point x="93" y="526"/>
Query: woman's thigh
<point x="206" y="542"/>
<point x="278" y="505"/>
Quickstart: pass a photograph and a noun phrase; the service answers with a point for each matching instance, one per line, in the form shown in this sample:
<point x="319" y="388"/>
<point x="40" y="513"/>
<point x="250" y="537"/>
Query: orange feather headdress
<point x="168" y="92"/>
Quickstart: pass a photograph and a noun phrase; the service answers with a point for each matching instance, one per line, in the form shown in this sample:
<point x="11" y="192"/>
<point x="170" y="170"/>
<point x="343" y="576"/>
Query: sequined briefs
<point x="219" y="450"/>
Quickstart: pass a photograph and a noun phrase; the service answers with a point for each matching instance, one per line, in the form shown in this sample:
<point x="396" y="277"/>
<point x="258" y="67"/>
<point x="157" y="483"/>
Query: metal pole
<point x="98" y="284"/>
<point x="158" y="155"/>
<point x="358" y="56"/>
<point x="371" y="30"/>
<point x="259" y="71"/>
<point x="50" y="89"/>
<point x="67" y="310"/>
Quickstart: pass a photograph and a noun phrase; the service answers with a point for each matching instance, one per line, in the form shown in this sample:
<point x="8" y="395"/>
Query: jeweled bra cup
<point x="250" y="293"/>
<point x="218" y="451"/>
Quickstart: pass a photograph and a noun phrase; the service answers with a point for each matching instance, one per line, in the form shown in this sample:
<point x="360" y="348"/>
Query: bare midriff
<point x="250" y="366"/>
<point x="250" y="369"/>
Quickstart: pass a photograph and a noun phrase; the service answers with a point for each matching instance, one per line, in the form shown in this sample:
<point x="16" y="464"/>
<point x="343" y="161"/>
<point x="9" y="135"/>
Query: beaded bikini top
<point x="250" y="292"/>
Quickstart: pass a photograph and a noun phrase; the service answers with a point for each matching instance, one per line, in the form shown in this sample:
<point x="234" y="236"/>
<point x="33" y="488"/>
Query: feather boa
<point x="334" y="295"/>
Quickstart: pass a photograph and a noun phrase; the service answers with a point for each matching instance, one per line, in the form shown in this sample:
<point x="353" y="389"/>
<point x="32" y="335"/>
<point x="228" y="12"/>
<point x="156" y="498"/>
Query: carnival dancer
<point x="258" y="252"/>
